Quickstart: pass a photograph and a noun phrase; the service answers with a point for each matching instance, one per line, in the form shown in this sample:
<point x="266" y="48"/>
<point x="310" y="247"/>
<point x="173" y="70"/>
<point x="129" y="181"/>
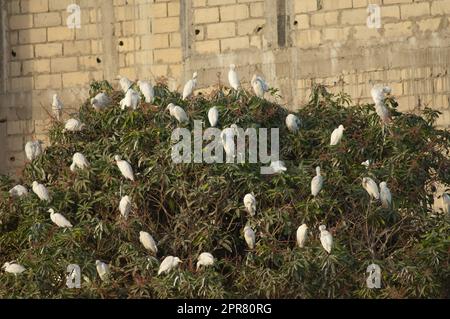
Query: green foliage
<point x="192" y="208"/>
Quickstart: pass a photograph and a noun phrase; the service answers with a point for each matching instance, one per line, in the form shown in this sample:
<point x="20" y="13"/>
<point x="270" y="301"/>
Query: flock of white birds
<point x="132" y="99"/>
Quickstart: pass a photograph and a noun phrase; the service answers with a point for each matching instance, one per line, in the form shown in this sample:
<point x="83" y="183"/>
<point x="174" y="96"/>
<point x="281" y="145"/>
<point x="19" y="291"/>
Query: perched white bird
<point x="33" y="149"/>
<point x="227" y="139"/>
<point x="293" y="123"/>
<point x="249" y="236"/>
<point x="59" y="219"/>
<point x="178" y="113"/>
<point x="100" y="101"/>
<point x="189" y="87"/>
<point x="371" y="187"/>
<point x="57" y="106"/>
<point x="13" y="268"/>
<point x="302" y="231"/>
<point x="326" y="239"/>
<point x="125" y="206"/>
<point x="385" y="195"/>
<point x="446" y="203"/>
<point x="79" y="161"/>
<point x="259" y="86"/>
<point x="366" y="163"/>
<point x="147" y="90"/>
<point x="131" y="99"/>
<point x="250" y="204"/>
<point x="41" y="191"/>
<point x="205" y="259"/>
<point x="125" y="83"/>
<point x="316" y="183"/>
<point x="168" y="264"/>
<point x="102" y="270"/>
<point x="336" y="136"/>
<point x="213" y="116"/>
<point x="124" y="167"/>
<point x="233" y="77"/>
<point x="378" y="96"/>
<point x="148" y="242"/>
<point x="73" y="125"/>
<point x="277" y="167"/>
<point x="18" y="191"/>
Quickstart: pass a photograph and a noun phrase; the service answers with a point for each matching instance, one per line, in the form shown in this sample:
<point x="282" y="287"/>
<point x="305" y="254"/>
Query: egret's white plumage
<point x="293" y="123"/>
<point x="385" y="195"/>
<point x="33" y="149"/>
<point x="148" y="242"/>
<point x="259" y="86"/>
<point x="131" y="99"/>
<point x="178" y="113"/>
<point x="125" y="206"/>
<point x="125" y="83"/>
<point x="250" y="204"/>
<point x="326" y="239"/>
<point x="366" y="163"/>
<point x="13" y="268"/>
<point x="378" y="95"/>
<point x="59" y="219"/>
<point x="169" y="263"/>
<point x="100" y="101"/>
<point x="205" y="259"/>
<point x="102" y="270"/>
<point x="124" y="167"/>
<point x="41" y="191"/>
<point x="233" y="77"/>
<point x="73" y="125"/>
<point x="277" y="167"/>
<point x="190" y="86"/>
<point x="250" y="237"/>
<point x="336" y="136"/>
<point x="57" y="106"/>
<point x="18" y="191"/>
<point x="302" y="231"/>
<point x="213" y="116"/>
<point x="79" y="161"/>
<point x="147" y="90"/>
<point x="316" y="183"/>
<point x="446" y="203"/>
<point x="371" y="187"/>
<point x="227" y="139"/>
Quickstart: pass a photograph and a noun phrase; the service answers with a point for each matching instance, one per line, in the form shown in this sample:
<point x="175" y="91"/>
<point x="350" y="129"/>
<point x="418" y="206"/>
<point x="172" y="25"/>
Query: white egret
<point x="250" y="204"/>
<point x="178" y="113"/>
<point x="124" y="167"/>
<point x="59" y="219"/>
<point x="205" y="259"/>
<point x="79" y="161"/>
<point x="233" y="77"/>
<point x="102" y="270"/>
<point x="148" y="242"/>
<point x="249" y="236"/>
<point x="227" y="139"/>
<point x="378" y="95"/>
<point x="326" y="239"/>
<point x="18" y="191"/>
<point x="446" y="203"/>
<point x="57" y="107"/>
<point x="259" y="86"/>
<point x="293" y="123"/>
<point x="336" y="136"/>
<point x="147" y="90"/>
<point x="73" y="125"/>
<point x="100" y="101"/>
<point x="277" y="167"/>
<point x="13" y="268"/>
<point x="33" y="149"/>
<point x="302" y="232"/>
<point x="125" y="83"/>
<point x="125" y="206"/>
<point x="385" y="195"/>
<point x="371" y="187"/>
<point x="190" y="86"/>
<point x="41" y="191"/>
<point x="366" y="163"/>
<point x="131" y="99"/>
<point x="213" y="116"/>
<point x="168" y="264"/>
<point x="316" y="183"/>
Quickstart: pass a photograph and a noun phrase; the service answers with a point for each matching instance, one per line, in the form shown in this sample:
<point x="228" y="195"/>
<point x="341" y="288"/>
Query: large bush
<point x="192" y="208"/>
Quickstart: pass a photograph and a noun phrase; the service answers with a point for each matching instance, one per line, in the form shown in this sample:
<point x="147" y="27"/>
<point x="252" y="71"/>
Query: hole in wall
<point x="13" y="53"/>
<point x="197" y="31"/>
<point x="295" y="22"/>
<point x="99" y="60"/>
<point x="121" y="43"/>
<point x="12" y="159"/>
<point x="258" y="29"/>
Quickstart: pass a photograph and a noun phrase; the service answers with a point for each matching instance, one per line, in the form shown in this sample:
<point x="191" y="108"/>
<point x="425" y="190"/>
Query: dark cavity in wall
<point x="281" y="23"/>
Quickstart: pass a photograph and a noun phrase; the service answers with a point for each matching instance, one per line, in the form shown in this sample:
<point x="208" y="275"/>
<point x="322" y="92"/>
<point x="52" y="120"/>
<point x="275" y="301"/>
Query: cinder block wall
<point x="292" y="43"/>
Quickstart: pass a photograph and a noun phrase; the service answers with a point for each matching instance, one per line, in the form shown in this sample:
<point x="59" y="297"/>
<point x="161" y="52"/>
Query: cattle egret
<point x="249" y="236"/>
<point x="168" y="264"/>
<point x="147" y="90"/>
<point x="316" y="183"/>
<point x="125" y="83"/>
<point x="178" y="113"/>
<point x="233" y="77"/>
<point x="57" y="107"/>
<point x="446" y="203"/>
<point x="250" y="204"/>
<point x="213" y="116"/>
<point x="302" y="231"/>
<point x="124" y="167"/>
<point x="336" y="136"/>
<point x="190" y="86"/>
<point x="13" y="268"/>
<point x="293" y="123"/>
<point x="148" y="242"/>
<point x="259" y="86"/>
<point x="227" y="139"/>
<point x="41" y="191"/>
<point x="59" y="219"/>
<point x="79" y="161"/>
<point x="371" y="187"/>
<point x="131" y="99"/>
<point x="385" y="195"/>
<point x="366" y="163"/>
<point x="33" y="149"/>
<point x="277" y="167"/>
<point x="18" y="191"/>
<point x="73" y="125"/>
<point x="378" y="96"/>
<point x="205" y="259"/>
<point x="102" y="270"/>
<point x="125" y="206"/>
<point x="326" y="239"/>
<point x="100" y="101"/>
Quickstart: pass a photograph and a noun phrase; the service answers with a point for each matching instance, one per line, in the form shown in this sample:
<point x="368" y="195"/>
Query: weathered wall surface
<point x="292" y="43"/>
